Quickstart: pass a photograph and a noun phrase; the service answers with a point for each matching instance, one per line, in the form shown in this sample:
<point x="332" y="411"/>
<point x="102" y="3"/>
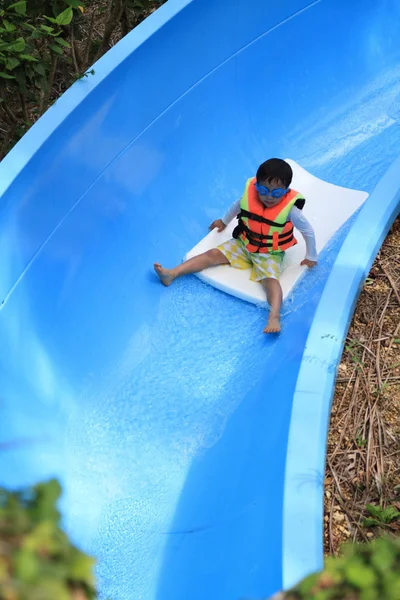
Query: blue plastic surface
<point x="190" y="446"/>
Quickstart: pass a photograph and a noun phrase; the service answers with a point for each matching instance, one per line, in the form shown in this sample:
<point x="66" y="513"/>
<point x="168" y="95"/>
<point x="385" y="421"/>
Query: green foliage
<point x="362" y="572"/>
<point x="31" y="42"/>
<point x="90" y="72"/>
<point x="360" y="440"/>
<point x="354" y="348"/>
<point x="37" y="560"/>
<point x="380" y="516"/>
<point x="46" y="45"/>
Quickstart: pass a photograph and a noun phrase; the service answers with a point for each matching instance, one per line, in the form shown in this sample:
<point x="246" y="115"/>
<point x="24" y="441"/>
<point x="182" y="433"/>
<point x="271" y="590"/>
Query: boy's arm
<point x="230" y="214"/>
<point x="307" y="231"/>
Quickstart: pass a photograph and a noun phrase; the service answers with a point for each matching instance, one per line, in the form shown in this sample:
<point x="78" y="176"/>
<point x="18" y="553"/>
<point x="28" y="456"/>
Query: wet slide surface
<point x="168" y="417"/>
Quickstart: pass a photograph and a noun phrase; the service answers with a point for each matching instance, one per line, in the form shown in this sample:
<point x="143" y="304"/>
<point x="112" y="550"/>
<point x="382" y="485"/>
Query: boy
<point x="266" y="214"/>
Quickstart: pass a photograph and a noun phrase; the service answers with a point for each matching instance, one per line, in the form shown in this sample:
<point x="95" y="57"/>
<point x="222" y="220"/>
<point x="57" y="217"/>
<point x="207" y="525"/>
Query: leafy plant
<point x="30" y="47"/>
<point x="380" y="516"/>
<point x="362" y="572"/>
<point x="46" y="45"/>
<point x="37" y="560"/>
<point x="360" y="440"/>
<point x="354" y="348"/>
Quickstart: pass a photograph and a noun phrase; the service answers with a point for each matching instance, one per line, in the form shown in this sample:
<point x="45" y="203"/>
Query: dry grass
<point x="363" y="456"/>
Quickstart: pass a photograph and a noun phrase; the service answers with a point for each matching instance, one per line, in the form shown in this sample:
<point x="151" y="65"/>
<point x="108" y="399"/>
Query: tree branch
<point x="24" y="107"/>
<point x="125" y="24"/>
<point x="9" y="113"/>
<point x="115" y="17"/>
<point x="46" y="95"/>
<point x="78" y="57"/>
<point x="89" y="41"/>
<point x="77" y="70"/>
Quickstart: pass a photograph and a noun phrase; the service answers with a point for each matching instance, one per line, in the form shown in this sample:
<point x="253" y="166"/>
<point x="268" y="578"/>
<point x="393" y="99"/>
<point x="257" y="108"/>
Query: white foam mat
<point x="327" y="208"/>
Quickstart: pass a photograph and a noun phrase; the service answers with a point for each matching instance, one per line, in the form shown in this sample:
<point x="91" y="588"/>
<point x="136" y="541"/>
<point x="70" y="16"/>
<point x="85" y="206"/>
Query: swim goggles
<point x="264" y="191"/>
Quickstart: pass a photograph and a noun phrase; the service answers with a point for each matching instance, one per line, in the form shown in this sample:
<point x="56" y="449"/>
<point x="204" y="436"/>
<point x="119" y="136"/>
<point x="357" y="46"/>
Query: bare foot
<point x="166" y="275"/>
<point x="273" y="325"/>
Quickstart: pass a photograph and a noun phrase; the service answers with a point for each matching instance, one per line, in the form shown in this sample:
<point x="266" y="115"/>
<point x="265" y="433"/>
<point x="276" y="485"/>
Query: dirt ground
<point x="363" y="458"/>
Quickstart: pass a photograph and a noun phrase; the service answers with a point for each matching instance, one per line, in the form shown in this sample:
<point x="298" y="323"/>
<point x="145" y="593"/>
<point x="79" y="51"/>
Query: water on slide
<point x="165" y="412"/>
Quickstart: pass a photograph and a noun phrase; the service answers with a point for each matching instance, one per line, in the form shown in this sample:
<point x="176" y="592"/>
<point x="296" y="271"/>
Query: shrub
<point x="37" y="560"/>
<point x="368" y="571"/>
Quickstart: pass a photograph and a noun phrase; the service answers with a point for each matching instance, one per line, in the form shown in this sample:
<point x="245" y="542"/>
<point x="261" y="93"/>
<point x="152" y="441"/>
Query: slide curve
<point x="190" y="447"/>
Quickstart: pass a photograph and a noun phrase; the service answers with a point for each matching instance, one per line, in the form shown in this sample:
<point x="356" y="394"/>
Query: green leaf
<point x="39" y="68"/>
<point x="45" y="509"/>
<point x="29" y="26"/>
<point x="374" y="511"/>
<point x="359" y="575"/>
<point x="29" y="71"/>
<point x="28" y="57"/>
<point x="47" y="29"/>
<point x="62" y="42"/>
<point x="391" y="584"/>
<point x="43" y="538"/>
<point x="81" y="568"/>
<point x="50" y="588"/>
<point x="41" y="84"/>
<point x="386" y="515"/>
<point x="6" y="75"/>
<point x="75" y="3"/>
<point x="390" y="514"/>
<point x="19" y="7"/>
<point x="12" y="62"/>
<point x="21" y="78"/>
<point x="65" y="17"/>
<point x="369" y="522"/>
<point x="369" y="594"/>
<point x="51" y="20"/>
<point x="26" y="565"/>
<point x="8" y="26"/>
<point x="56" y="49"/>
<point x="17" y="46"/>
<point x="383" y="556"/>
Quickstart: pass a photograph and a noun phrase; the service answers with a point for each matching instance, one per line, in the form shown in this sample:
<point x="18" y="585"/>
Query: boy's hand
<point x="308" y="263"/>
<point x="218" y="224"/>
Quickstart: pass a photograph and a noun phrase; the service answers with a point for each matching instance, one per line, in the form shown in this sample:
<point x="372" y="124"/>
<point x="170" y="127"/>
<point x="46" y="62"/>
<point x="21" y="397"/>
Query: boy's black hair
<point x="275" y="168"/>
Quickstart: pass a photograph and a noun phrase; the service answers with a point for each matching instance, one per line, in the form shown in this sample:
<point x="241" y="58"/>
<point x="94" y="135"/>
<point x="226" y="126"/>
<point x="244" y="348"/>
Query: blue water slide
<point x="190" y="446"/>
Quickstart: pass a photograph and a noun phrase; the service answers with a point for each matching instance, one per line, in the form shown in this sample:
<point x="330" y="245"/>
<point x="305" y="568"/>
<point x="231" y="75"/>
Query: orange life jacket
<point x="264" y="229"/>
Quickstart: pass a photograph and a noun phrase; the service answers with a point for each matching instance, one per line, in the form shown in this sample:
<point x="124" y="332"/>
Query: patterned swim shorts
<point x="263" y="266"/>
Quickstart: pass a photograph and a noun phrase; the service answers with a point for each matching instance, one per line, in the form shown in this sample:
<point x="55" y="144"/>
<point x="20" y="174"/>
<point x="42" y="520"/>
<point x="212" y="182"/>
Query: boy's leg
<point x="274" y="297"/>
<point x="211" y="258"/>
